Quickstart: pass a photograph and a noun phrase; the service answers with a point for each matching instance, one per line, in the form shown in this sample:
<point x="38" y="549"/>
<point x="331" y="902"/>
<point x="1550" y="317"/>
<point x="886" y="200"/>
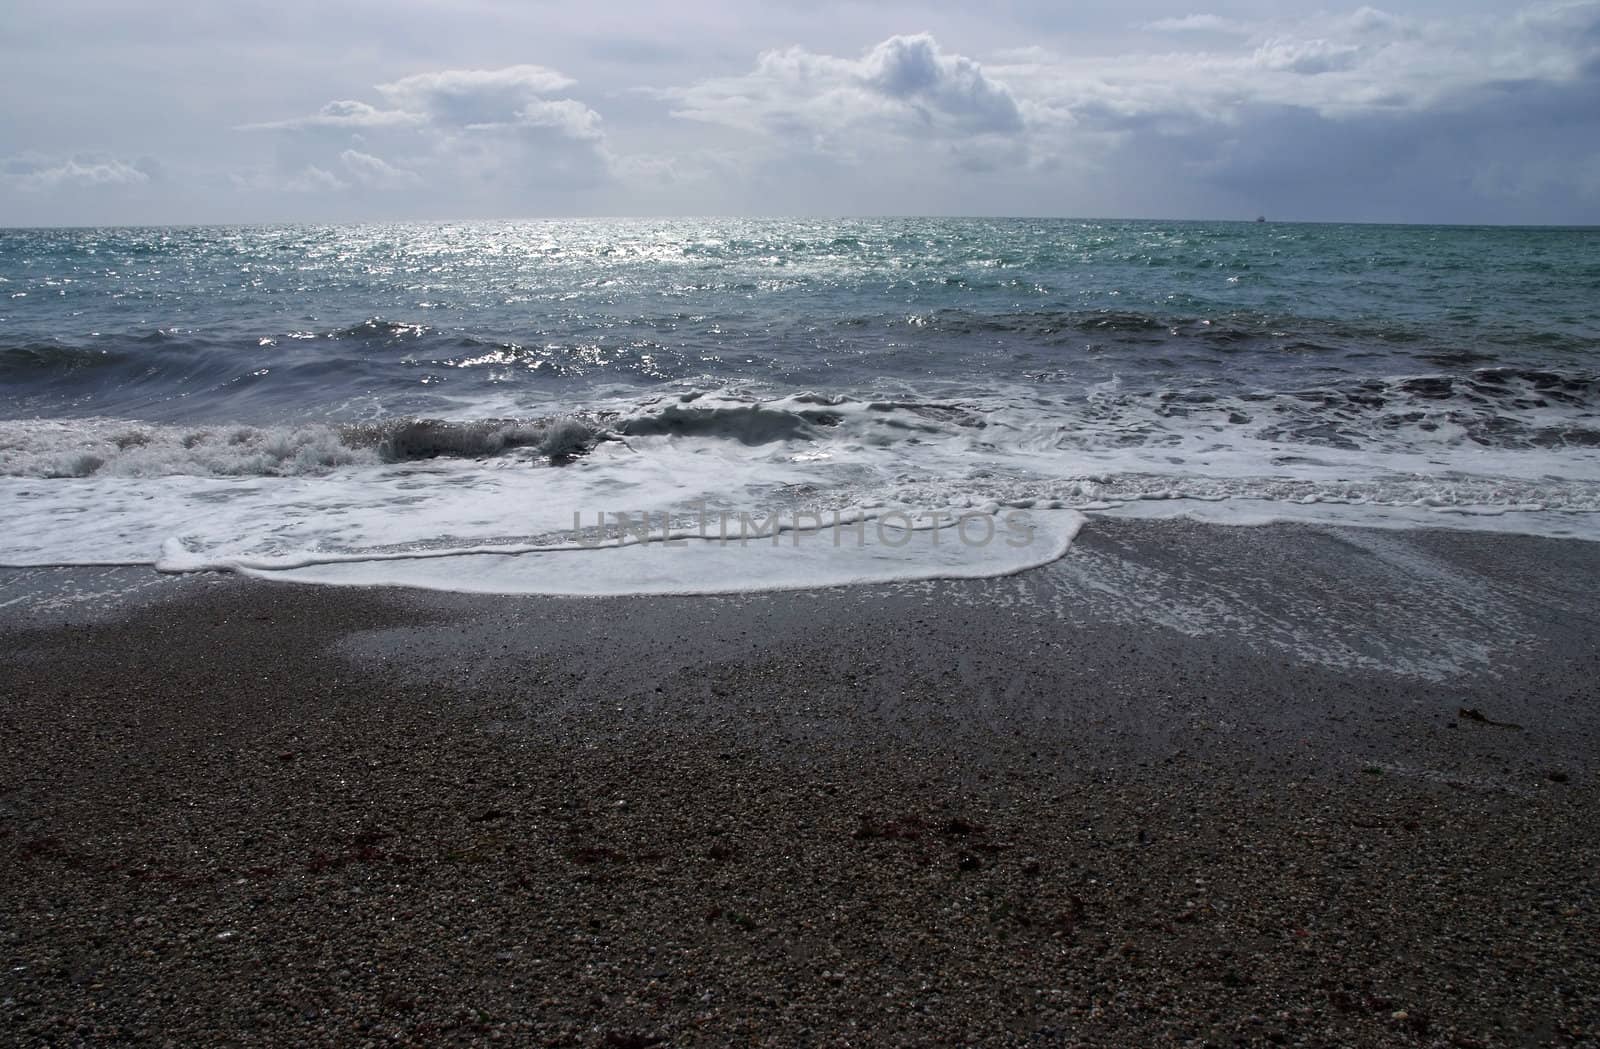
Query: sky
<point x="378" y="110"/>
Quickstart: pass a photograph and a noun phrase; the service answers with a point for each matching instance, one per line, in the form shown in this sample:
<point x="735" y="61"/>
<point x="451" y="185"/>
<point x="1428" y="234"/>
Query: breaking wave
<point x="1501" y="409"/>
<point x="118" y="448"/>
<point x="745" y="423"/>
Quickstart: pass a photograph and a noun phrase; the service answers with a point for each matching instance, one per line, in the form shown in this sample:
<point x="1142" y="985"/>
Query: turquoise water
<point x="260" y="324"/>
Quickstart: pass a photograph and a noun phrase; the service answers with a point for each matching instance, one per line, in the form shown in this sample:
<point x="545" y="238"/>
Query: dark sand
<point x="1187" y="786"/>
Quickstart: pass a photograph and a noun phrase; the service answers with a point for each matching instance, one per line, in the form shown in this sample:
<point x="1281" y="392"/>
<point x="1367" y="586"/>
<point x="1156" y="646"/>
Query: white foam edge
<point x="178" y="558"/>
<point x="74" y="562"/>
<point x="1237" y="511"/>
<point x="692" y="566"/>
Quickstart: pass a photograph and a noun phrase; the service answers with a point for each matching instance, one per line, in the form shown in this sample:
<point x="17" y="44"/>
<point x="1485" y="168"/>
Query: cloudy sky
<point x="1427" y="111"/>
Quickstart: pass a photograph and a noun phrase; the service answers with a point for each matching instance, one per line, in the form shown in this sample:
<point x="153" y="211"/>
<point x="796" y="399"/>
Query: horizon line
<point x="355" y="223"/>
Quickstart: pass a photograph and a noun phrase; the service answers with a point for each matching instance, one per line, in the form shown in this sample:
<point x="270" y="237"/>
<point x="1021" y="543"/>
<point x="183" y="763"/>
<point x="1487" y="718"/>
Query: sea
<point x="721" y="405"/>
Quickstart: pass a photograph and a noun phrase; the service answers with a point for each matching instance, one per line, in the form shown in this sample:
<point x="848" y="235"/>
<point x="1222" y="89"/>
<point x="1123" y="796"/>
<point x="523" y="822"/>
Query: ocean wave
<point x="109" y="447"/>
<point x="23" y="363"/>
<point x="746" y="423"/>
<point x="1039" y="324"/>
<point x="559" y="439"/>
<point x="121" y="448"/>
<point x="379" y="330"/>
<point x="1500" y="408"/>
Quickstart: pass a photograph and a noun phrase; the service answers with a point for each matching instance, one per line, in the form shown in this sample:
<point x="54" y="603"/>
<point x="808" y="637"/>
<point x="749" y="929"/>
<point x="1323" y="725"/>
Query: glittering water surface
<point x="361" y="321"/>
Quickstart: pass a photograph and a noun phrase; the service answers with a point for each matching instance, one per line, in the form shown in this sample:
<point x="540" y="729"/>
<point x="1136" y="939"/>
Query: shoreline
<point x="1188" y="783"/>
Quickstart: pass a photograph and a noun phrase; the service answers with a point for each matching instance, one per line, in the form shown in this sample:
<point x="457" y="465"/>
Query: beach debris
<point x="1474" y="714"/>
<point x="633" y="1040"/>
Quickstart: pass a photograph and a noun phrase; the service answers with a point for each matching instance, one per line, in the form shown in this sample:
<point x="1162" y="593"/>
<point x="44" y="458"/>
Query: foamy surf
<point x="348" y="429"/>
<point x="437" y="503"/>
<point x="865" y="552"/>
<point x="96" y="447"/>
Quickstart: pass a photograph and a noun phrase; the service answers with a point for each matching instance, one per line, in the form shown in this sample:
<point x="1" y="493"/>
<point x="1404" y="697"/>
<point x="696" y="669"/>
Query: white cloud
<point x="913" y="70"/>
<point x="564" y="116"/>
<point x="473" y="96"/>
<point x="1372" y="20"/>
<point x="1566" y="21"/>
<point x="309" y="179"/>
<point x="342" y="114"/>
<point x="1182" y="106"/>
<point x="376" y="173"/>
<point x="1309" y="57"/>
<point x="350" y="170"/>
<point x="465" y="132"/>
<point x="906" y="86"/>
<point x="1194" y="24"/>
<point x="1385" y="104"/>
<point x="452" y="99"/>
<point x="1336" y="114"/>
<point x="1366" y="64"/>
<point x="33" y="173"/>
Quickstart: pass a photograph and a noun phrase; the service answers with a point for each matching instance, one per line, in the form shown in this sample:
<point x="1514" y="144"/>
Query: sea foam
<point x="494" y="503"/>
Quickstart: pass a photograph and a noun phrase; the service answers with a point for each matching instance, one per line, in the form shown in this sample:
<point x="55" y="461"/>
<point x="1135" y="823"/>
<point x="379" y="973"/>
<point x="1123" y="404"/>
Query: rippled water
<point x="256" y="323"/>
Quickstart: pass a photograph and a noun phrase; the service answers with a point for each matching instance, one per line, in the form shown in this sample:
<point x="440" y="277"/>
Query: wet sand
<point x="1188" y="785"/>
